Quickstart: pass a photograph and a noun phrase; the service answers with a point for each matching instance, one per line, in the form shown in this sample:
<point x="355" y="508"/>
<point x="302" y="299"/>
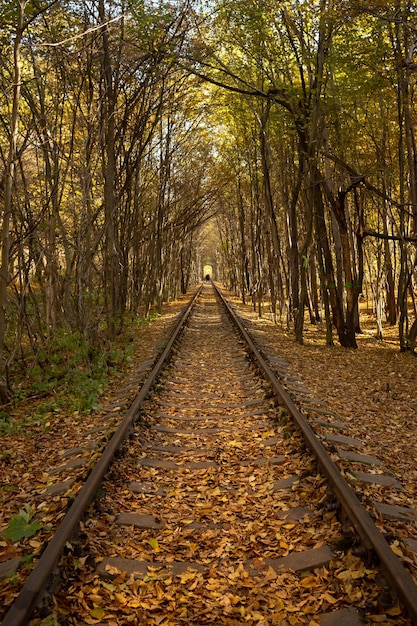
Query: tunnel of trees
<point x="141" y="141"/>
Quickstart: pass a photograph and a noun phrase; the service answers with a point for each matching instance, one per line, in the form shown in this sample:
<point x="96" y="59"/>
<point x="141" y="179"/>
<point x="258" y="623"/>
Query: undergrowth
<point x="71" y="374"/>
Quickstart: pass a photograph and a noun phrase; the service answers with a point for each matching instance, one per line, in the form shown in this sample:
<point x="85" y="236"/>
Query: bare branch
<point x="367" y="232"/>
<point x="93" y="29"/>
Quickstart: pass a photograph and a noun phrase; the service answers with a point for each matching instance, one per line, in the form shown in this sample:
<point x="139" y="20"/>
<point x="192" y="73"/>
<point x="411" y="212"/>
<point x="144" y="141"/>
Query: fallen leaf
<point x="153" y="542"/>
<point x="97" y="613"/>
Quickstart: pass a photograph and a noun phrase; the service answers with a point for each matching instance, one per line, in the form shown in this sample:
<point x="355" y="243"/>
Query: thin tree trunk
<point x="243" y="251"/>
<point x="109" y="171"/>
<point x="274" y="269"/>
<point x="9" y="180"/>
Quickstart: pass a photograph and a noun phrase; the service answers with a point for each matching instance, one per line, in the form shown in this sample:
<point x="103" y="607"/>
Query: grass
<point x="70" y="374"/>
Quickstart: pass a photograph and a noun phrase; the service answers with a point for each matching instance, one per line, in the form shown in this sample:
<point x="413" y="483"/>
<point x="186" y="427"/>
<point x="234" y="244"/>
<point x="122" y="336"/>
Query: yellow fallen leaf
<point x="270" y="574"/>
<point x="133" y="604"/>
<point x="279" y="605"/>
<point x="121" y="599"/>
<point x="153" y="542"/>
<point x="394" y="610"/>
<point x="329" y="598"/>
<point x="352" y="573"/>
<point x="95" y="597"/>
<point x="396" y="549"/>
<point x="187" y="576"/>
<point x="308" y="582"/>
<point x="212" y="584"/>
<point x="234" y="575"/>
<point x="97" y="613"/>
<point x="159" y="592"/>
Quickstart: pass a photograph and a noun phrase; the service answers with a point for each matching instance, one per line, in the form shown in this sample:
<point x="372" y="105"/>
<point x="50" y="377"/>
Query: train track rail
<point x="223" y="506"/>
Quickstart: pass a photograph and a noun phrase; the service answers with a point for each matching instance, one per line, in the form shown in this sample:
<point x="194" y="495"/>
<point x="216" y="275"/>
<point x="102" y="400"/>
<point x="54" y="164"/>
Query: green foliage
<point x="6" y="423"/>
<point x="20" y="526"/>
<point x="73" y="371"/>
<point x="70" y="374"/>
<point x="144" y="321"/>
<point x="90" y="397"/>
<point x="8" y="14"/>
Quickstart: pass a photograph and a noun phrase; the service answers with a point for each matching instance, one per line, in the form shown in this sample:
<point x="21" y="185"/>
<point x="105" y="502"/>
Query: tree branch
<point x="362" y="178"/>
<point x="367" y="232"/>
<point x="276" y="95"/>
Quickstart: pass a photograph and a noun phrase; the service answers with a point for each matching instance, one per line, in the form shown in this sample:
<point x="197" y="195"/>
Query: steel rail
<point x="37" y="583"/>
<point x="372" y="538"/>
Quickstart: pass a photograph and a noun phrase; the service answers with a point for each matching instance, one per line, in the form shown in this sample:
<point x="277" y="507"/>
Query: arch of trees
<point x="319" y="106"/>
<point x="131" y="131"/>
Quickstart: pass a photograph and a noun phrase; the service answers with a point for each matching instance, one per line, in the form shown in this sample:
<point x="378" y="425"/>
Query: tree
<point x="85" y="175"/>
<point x="21" y="23"/>
<point x="297" y="58"/>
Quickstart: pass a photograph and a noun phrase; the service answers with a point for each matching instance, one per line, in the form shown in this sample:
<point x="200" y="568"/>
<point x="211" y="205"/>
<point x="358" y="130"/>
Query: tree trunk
<point x="109" y="172"/>
<point x="274" y="268"/>
<point x="346" y="338"/>
<point x="8" y="188"/>
<point x="412" y="336"/>
<point x="243" y="251"/>
<point x="390" y="282"/>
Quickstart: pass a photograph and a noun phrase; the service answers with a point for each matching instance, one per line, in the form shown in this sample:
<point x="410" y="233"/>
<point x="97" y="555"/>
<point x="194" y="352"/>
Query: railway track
<point x="217" y="504"/>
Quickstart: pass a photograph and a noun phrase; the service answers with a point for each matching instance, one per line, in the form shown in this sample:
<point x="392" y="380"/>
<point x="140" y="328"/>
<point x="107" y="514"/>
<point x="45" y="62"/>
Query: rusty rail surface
<point x="372" y="539"/>
<point x="38" y="581"/>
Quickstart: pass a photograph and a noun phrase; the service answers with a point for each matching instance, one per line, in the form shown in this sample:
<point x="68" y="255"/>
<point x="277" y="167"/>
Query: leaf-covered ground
<point x="59" y="448"/>
<point x="200" y="484"/>
<point x="371" y="389"/>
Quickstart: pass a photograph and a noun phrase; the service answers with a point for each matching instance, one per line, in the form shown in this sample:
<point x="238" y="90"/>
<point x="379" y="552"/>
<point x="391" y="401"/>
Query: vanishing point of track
<point x="222" y="506"/>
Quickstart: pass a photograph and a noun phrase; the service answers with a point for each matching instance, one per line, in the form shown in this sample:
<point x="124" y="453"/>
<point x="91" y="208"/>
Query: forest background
<point x="140" y="140"/>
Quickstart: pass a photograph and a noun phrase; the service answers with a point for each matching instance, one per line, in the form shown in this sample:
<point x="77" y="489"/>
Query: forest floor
<point x="372" y="390"/>
<point x="42" y="434"/>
